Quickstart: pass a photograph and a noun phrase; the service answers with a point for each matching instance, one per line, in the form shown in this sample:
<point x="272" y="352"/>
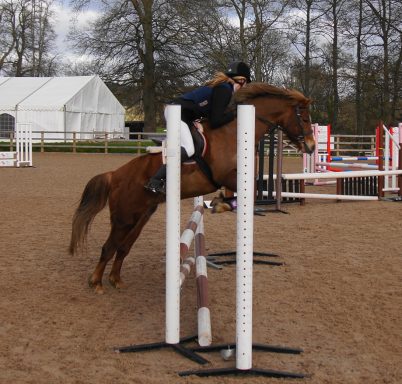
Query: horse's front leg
<point x="226" y="202"/>
<point x="231" y="180"/>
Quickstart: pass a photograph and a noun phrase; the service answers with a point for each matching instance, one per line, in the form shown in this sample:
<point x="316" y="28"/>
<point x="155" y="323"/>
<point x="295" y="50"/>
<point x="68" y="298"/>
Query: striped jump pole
<point x="203" y="313"/>
<point x="186" y="240"/>
<point x="195" y="230"/>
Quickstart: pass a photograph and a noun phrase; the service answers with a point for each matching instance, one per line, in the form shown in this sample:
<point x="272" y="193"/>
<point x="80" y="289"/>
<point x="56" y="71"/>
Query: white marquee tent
<point x="59" y="106"/>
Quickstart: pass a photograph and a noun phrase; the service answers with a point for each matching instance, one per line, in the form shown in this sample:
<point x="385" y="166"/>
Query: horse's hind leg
<point x="108" y="251"/>
<point x="124" y="248"/>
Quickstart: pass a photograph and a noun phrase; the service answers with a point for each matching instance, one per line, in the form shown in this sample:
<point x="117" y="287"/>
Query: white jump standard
<point x="177" y="246"/>
<point x="244" y="262"/>
<point x="22" y="156"/>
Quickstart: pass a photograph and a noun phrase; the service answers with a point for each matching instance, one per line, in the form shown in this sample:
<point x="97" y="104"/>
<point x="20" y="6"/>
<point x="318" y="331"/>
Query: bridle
<point x="300" y="121"/>
<point x="299" y="118"/>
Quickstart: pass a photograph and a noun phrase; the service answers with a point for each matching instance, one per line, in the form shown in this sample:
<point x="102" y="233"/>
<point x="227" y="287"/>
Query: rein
<point x="273" y="126"/>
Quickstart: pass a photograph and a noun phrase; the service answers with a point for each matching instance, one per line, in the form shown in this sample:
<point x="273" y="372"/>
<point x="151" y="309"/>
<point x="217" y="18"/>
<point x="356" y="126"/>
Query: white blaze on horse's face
<point x="306" y="142"/>
<point x="309" y="144"/>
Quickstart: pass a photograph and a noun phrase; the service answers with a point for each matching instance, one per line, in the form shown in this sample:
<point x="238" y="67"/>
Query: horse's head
<point x="281" y="108"/>
<point x="297" y="125"/>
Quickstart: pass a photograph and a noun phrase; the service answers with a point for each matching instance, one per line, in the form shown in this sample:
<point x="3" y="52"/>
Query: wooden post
<point x="302" y="190"/>
<point x="74" y="142"/>
<point x="260" y="169"/>
<point x="106" y="142"/>
<point x="372" y="146"/>
<point x="139" y="144"/>
<point x="337" y="145"/>
<point x="279" y="158"/>
<point x="339" y="188"/>
<point x="42" y="141"/>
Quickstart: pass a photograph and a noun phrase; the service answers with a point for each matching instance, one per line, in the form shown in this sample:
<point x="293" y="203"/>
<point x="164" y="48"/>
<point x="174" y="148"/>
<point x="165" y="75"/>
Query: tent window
<point x="7" y="125"/>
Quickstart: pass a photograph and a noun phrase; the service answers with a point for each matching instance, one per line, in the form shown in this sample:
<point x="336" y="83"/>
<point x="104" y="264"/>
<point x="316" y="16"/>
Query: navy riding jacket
<point x="209" y="102"/>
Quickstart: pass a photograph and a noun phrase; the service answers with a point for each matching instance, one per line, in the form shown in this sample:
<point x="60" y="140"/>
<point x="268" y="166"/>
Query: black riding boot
<point x="157" y="183"/>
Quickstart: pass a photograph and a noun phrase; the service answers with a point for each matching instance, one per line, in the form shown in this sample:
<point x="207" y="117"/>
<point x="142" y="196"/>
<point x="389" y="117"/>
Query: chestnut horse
<point x="131" y="205"/>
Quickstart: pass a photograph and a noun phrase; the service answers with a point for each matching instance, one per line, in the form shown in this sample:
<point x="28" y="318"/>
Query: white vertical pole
<point x="395" y="155"/>
<point x="30" y="143"/>
<point x="244" y="256"/>
<point x="173" y="117"/>
<point x="386" y="158"/>
<point x="18" y="147"/>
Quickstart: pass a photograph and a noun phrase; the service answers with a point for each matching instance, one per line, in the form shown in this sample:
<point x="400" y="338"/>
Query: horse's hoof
<point x="222" y="204"/>
<point x="117" y="284"/>
<point x="99" y="290"/>
<point x="221" y="207"/>
<point x="98" y="286"/>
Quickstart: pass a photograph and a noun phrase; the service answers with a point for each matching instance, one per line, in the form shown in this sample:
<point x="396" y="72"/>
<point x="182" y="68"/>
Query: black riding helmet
<point x="238" y="68"/>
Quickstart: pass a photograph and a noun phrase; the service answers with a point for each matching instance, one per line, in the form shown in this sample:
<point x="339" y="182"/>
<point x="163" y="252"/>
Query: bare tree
<point x="334" y="22"/>
<point x="27" y="36"/>
<point x="386" y="16"/>
<point x="7" y="38"/>
<point x="303" y="32"/>
<point x="135" y="44"/>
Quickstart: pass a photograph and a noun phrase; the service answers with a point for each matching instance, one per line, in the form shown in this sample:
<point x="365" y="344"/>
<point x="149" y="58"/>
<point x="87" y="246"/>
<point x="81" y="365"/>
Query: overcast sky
<point x="63" y="15"/>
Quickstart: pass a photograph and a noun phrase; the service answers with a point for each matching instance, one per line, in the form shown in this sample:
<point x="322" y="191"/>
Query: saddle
<point x="199" y="139"/>
<point x="200" y="147"/>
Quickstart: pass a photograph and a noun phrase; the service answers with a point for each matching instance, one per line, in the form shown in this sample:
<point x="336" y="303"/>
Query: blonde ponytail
<point x="219" y="78"/>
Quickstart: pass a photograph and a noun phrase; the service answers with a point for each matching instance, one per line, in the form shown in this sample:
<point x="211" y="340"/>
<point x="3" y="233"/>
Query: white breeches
<point x="186" y="140"/>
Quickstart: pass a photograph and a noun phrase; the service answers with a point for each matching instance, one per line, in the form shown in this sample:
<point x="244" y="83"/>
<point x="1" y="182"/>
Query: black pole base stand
<point x="397" y="199"/>
<point x="258" y="203"/>
<point x="251" y="371"/>
<point x="244" y="372"/>
<point x="179" y="348"/>
<point x="229" y="257"/>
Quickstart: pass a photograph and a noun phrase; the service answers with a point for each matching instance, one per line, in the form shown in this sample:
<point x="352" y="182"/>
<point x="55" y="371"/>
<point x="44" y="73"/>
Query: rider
<point x="210" y="101"/>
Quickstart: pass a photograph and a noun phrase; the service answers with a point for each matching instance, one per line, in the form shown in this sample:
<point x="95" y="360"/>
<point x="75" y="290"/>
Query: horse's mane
<point x="254" y="90"/>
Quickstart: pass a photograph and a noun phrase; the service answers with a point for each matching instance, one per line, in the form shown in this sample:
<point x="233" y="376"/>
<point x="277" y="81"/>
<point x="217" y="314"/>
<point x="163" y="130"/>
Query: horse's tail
<point x="93" y="200"/>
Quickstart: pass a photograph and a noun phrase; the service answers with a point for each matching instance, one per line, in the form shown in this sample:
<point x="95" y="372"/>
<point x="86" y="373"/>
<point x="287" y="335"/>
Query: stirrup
<point x="156" y="186"/>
